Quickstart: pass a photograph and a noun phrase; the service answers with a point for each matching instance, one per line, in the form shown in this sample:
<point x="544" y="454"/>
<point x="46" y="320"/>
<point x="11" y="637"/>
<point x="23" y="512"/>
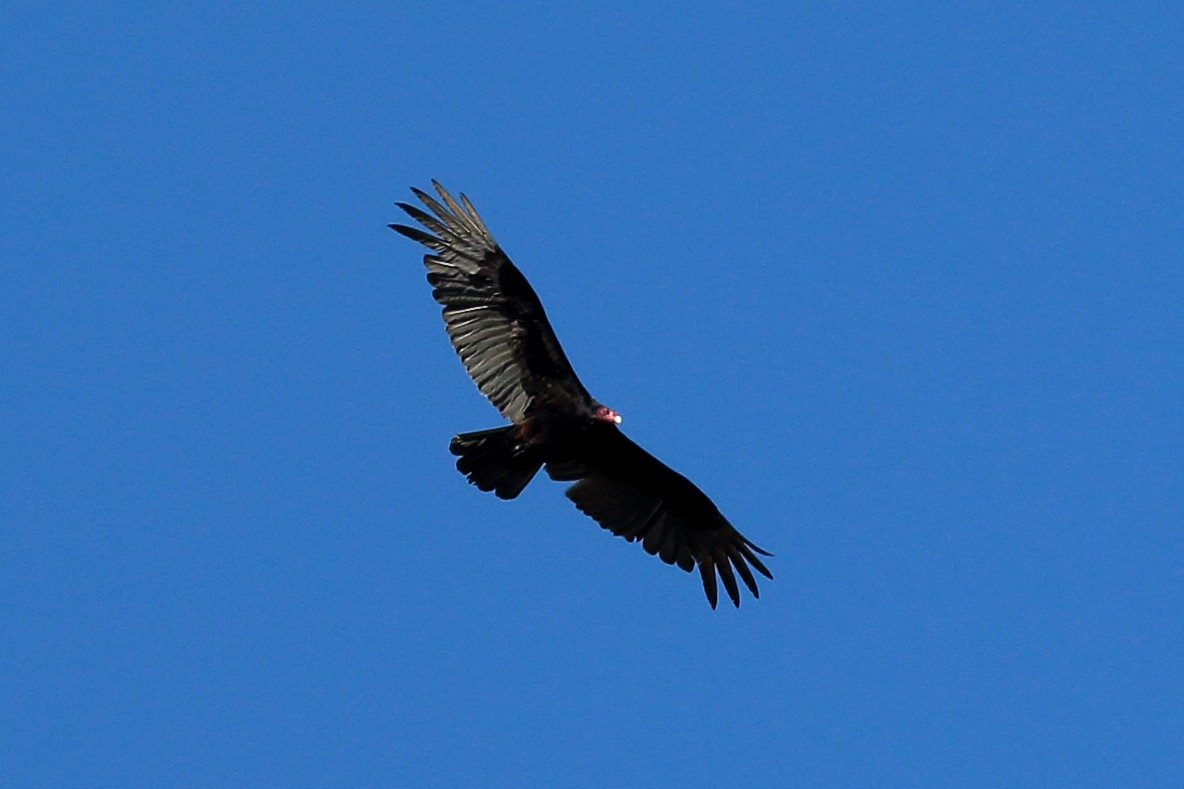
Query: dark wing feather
<point x="493" y="316"/>
<point x="634" y="495"/>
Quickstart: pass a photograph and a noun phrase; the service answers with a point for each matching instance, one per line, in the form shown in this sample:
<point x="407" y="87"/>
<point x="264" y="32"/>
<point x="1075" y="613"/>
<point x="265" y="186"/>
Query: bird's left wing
<point x="634" y="495"/>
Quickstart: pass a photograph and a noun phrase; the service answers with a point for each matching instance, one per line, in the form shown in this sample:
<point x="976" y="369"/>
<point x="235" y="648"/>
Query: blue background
<point x="900" y="286"/>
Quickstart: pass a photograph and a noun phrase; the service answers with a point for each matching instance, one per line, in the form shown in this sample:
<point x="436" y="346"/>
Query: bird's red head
<point x="606" y="414"/>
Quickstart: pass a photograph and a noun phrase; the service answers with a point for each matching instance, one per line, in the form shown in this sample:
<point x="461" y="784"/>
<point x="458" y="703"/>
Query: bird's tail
<point x="494" y="460"/>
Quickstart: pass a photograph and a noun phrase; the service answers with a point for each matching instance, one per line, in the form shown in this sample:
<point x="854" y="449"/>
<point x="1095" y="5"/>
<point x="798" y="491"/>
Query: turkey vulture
<point x="499" y="329"/>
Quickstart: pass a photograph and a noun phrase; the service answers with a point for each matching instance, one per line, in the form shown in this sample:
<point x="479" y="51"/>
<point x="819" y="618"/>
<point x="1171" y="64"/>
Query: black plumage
<point x="501" y="333"/>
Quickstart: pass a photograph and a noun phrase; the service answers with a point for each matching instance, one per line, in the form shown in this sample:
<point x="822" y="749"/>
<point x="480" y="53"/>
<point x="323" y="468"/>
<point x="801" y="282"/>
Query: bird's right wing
<point x="493" y="316"/>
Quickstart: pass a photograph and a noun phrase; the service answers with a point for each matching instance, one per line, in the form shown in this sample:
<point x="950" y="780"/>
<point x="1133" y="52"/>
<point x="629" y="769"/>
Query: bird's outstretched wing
<point x="636" y="496"/>
<point x="493" y="316"/>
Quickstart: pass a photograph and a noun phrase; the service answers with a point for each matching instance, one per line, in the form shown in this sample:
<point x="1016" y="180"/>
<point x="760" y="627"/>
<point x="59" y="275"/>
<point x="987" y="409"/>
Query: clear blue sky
<point x="901" y="287"/>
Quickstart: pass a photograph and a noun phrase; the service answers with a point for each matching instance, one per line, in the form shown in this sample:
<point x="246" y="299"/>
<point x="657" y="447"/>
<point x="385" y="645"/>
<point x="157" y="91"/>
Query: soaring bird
<point x="498" y="327"/>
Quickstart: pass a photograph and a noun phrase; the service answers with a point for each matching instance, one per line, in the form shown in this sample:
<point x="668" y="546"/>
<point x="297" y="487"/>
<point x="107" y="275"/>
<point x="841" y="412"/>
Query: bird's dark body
<point x="500" y="330"/>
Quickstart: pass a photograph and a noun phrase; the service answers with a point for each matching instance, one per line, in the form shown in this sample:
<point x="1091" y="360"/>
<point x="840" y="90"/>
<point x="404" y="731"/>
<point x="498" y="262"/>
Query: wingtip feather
<point x="747" y="553"/>
<point x="707" y="573"/>
<point x="724" y="568"/>
<point x="745" y="574"/>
